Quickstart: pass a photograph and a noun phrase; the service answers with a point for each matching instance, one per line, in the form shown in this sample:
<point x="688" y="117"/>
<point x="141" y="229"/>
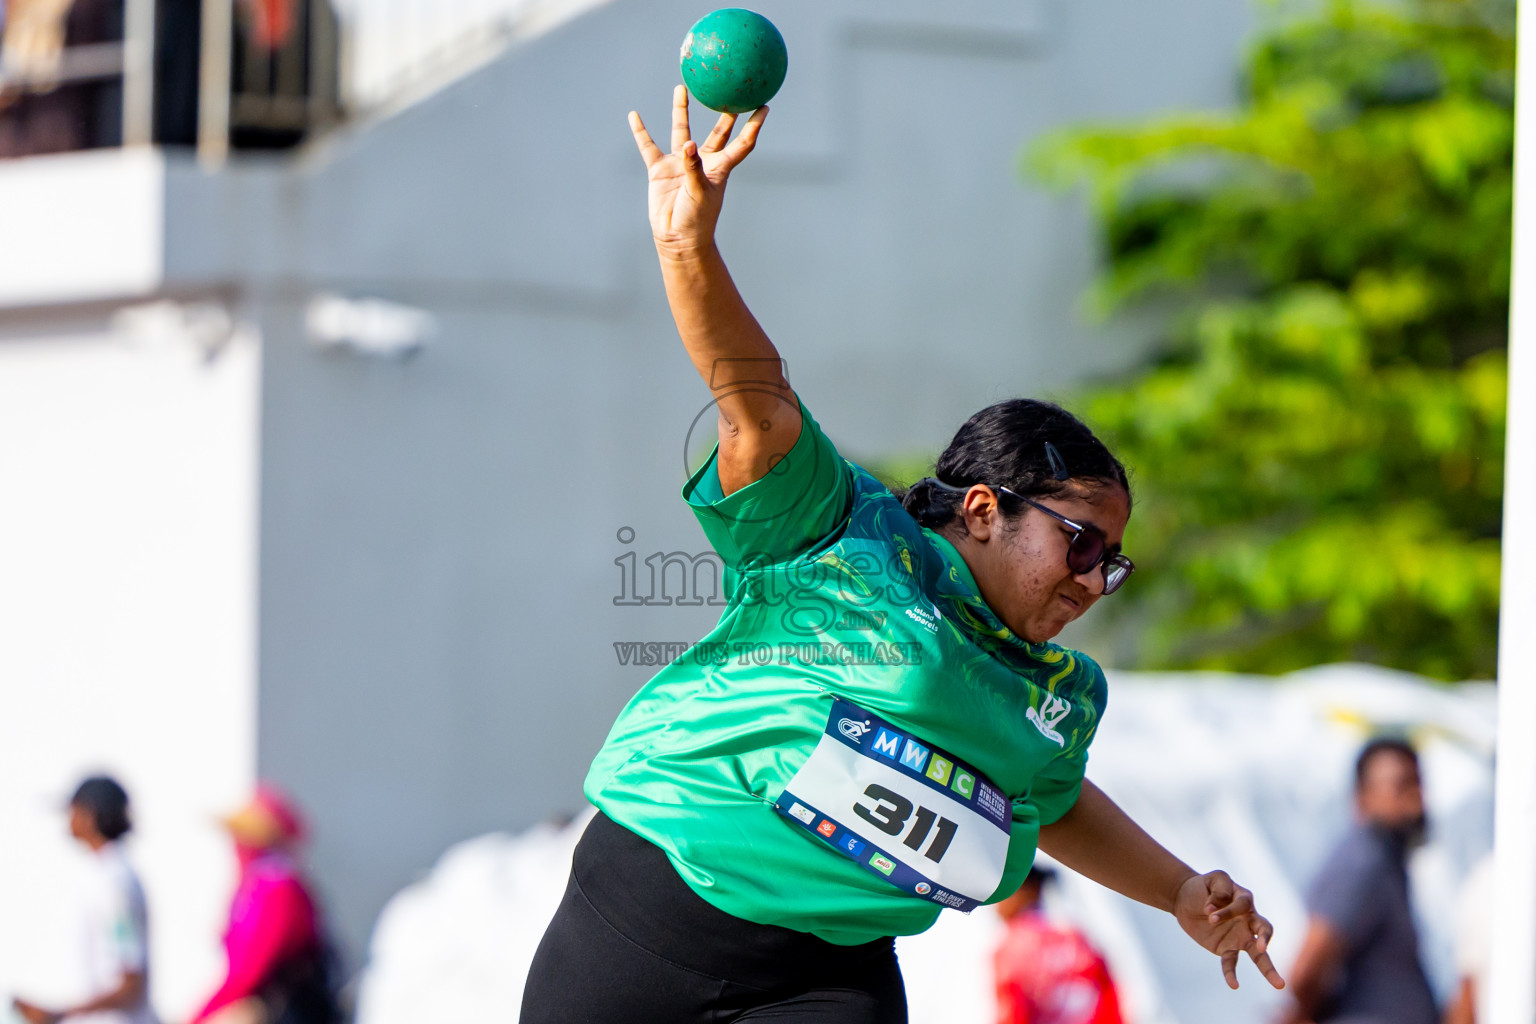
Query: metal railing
<point x="248" y="93"/>
<point x="291" y="90"/>
<point x="384" y="53"/>
<point x="131" y="60"/>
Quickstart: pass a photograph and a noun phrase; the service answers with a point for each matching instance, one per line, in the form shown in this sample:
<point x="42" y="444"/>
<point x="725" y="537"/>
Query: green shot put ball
<point x="734" y="60"/>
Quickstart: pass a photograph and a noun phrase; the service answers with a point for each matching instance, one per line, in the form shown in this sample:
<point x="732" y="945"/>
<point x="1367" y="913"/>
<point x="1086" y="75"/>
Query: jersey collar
<point x="956" y="582"/>
<point x="959" y="573"/>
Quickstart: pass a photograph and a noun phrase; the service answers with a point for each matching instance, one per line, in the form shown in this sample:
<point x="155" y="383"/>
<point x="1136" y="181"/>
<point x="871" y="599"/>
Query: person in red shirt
<point x="1048" y="973"/>
<point x="277" y="954"/>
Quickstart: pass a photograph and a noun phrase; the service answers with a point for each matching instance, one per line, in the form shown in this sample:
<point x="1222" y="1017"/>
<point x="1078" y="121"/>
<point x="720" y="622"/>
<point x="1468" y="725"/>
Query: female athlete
<point x="879" y="726"/>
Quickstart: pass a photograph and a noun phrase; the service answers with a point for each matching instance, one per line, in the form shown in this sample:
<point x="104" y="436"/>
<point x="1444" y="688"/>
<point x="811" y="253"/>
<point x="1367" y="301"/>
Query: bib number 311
<point x="904" y="809"/>
<point x="890" y="813"/>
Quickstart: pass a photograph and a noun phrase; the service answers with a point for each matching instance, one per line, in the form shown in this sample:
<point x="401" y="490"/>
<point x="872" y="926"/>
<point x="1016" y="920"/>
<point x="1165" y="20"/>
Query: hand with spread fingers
<point x="1097" y="839"/>
<point x="1218" y="913"/>
<point x="687" y="185"/>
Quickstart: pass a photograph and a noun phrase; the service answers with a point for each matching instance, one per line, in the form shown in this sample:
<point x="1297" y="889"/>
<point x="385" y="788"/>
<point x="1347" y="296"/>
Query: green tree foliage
<point x="1318" y="446"/>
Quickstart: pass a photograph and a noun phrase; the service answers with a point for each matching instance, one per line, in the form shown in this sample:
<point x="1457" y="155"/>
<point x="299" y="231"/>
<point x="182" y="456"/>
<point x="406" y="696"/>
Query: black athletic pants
<point x="633" y="944"/>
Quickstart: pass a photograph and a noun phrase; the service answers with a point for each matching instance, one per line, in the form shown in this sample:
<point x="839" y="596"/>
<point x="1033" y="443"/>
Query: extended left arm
<point x="1100" y="841"/>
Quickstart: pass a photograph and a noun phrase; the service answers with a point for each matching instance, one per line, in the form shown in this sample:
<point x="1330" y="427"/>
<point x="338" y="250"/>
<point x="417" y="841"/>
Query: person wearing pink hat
<point x="278" y="962"/>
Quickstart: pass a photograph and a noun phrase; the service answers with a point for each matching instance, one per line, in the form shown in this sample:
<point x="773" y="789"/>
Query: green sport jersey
<point x="836" y="599"/>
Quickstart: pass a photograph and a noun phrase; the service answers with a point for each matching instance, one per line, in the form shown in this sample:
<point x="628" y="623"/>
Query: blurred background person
<point x="115" y="932"/>
<point x="1047" y="972"/>
<point x="1359" y="961"/>
<point x="279" y="969"/>
<point x="1474" y="945"/>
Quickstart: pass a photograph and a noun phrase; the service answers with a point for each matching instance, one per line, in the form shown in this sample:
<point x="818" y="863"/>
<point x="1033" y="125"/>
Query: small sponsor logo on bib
<point x="802" y="813"/>
<point x="854" y="730"/>
<point x="922" y="888"/>
<point x="828" y="827"/>
<point x="882" y="864"/>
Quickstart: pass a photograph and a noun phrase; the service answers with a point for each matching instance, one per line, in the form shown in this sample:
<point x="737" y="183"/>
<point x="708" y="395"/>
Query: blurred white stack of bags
<point x="1245" y="773"/>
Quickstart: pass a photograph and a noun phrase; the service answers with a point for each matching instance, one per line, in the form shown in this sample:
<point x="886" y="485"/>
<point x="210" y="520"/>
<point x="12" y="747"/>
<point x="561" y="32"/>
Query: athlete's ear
<point x="979" y="512"/>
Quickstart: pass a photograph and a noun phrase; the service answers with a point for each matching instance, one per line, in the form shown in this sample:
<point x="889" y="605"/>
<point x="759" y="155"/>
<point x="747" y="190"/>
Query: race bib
<point x="931" y="825"/>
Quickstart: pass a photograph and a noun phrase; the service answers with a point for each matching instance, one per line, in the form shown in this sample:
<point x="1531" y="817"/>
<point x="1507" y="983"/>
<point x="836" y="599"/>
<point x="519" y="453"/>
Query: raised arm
<point x="1099" y="840"/>
<point x="759" y="416"/>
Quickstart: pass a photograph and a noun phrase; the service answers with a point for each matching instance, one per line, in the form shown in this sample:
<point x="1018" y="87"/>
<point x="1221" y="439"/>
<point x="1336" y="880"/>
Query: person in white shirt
<point x="116" y="932"/>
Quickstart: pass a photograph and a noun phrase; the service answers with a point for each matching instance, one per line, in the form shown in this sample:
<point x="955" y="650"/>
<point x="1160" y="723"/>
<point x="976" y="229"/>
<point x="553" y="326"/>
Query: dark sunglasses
<point x="1088" y="549"/>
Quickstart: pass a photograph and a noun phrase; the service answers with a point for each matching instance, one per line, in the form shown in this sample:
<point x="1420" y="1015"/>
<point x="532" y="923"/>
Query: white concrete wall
<point x="81" y="226"/>
<point x="127" y="633"/>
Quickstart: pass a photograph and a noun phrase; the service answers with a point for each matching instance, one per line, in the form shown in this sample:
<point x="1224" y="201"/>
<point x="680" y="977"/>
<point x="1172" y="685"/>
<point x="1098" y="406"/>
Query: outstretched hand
<point x="1218" y="913"/>
<point x="687" y="185"/>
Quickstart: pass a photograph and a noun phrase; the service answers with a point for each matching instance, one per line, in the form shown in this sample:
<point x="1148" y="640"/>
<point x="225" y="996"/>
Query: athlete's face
<point x="1020" y="564"/>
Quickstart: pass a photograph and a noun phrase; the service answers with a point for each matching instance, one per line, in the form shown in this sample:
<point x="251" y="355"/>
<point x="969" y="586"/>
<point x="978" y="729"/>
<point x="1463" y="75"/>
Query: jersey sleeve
<point x="802" y="499"/>
<point x="130" y="928"/>
<point x="1058" y="786"/>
